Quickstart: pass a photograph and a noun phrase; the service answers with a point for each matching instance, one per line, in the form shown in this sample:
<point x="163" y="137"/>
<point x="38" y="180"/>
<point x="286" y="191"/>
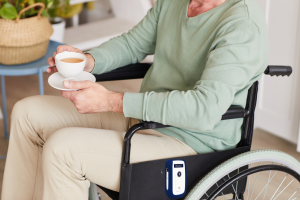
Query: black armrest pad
<point x="233" y="112"/>
<point x="153" y="125"/>
<point x="133" y="71"/>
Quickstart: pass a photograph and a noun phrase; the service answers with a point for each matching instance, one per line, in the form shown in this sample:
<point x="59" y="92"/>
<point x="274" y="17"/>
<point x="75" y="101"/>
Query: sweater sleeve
<point x="233" y="61"/>
<point x="130" y="47"/>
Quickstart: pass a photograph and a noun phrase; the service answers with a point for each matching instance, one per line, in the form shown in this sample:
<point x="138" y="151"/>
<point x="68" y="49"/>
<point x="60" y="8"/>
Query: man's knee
<point x="30" y="116"/>
<point x="24" y="107"/>
<point x="22" y="117"/>
<point x="57" y="145"/>
<point x="58" y="152"/>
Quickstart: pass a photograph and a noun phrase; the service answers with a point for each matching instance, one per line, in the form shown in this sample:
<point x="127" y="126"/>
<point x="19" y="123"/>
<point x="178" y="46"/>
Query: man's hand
<point x="92" y="97"/>
<point x="89" y="65"/>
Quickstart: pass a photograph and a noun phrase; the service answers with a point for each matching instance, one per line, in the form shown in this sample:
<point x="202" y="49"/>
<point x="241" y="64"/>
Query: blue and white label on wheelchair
<point x="175" y="178"/>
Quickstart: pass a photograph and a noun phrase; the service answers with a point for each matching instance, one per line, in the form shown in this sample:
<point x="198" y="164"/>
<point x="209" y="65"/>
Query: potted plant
<point x="25" y="30"/>
<point x="60" y="10"/>
<point x="58" y="23"/>
<point x="9" y="9"/>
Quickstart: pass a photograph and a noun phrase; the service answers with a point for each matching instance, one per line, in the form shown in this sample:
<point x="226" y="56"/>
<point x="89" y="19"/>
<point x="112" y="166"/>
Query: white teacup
<point x="68" y="69"/>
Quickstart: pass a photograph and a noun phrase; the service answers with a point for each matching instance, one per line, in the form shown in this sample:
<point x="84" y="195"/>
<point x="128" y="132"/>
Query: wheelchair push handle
<point x="278" y="70"/>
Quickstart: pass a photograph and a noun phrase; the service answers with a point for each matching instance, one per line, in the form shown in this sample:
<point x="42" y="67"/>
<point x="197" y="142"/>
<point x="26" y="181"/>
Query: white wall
<point x="132" y="10"/>
<point x="102" y="10"/>
<point x="278" y="108"/>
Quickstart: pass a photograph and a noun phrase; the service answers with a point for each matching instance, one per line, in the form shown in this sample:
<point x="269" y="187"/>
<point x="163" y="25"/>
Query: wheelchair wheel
<point x="255" y="175"/>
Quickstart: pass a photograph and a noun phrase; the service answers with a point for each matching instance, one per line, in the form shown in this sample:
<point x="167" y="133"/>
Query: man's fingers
<point x="66" y="94"/>
<point x="52" y="70"/>
<point x="54" y="54"/>
<point x="77" y="84"/>
<point x="51" y="62"/>
<point x="63" y="48"/>
<point x="68" y="48"/>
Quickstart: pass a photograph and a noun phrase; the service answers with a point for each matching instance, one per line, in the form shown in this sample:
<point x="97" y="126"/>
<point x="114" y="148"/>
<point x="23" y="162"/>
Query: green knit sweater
<point x="202" y="65"/>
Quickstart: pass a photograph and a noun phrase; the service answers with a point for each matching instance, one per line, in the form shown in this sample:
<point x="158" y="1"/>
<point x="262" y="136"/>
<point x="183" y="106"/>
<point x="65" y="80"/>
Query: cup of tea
<point x="70" y="64"/>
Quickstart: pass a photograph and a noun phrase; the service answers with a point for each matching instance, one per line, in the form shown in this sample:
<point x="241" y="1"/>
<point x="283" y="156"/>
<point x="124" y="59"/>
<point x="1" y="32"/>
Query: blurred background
<point x="87" y="24"/>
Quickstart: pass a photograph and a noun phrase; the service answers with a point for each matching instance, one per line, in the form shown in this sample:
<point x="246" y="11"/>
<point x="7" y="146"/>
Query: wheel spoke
<point x="266" y="185"/>
<point x="254" y="183"/>
<point x="236" y="196"/>
<point x="294" y="193"/>
<point x="268" y="182"/>
<point x="255" y="168"/>
<point x="222" y="192"/>
<point x="249" y="184"/>
<point x="284" y="189"/>
<point x="236" y="185"/>
<point x="279" y="186"/>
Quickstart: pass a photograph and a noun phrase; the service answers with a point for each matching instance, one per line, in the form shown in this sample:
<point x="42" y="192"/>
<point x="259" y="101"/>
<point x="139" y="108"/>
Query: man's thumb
<point x="66" y="84"/>
<point x="75" y="84"/>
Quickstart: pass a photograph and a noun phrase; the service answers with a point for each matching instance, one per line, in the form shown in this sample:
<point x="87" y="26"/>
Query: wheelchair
<point x="234" y="174"/>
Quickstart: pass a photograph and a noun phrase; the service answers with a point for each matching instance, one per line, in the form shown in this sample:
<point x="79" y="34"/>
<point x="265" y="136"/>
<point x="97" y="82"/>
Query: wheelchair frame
<point x="146" y="180"/>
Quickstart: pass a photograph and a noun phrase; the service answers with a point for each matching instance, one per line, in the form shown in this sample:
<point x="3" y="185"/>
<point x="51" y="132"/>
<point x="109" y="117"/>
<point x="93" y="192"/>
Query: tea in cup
<point x="70" y="64"/>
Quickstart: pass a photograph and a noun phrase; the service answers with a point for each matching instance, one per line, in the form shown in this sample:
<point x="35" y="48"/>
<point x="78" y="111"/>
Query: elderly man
<point x="207" y="55"/>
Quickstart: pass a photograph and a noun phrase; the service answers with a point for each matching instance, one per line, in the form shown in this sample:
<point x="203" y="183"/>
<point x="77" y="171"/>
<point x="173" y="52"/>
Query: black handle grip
<point x="278" y="70"/>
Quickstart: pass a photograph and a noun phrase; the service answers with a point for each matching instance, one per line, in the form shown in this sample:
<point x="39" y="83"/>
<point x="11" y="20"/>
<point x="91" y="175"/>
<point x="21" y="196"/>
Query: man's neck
<point x="207" y="2"/>
<point x="197" y="7"/>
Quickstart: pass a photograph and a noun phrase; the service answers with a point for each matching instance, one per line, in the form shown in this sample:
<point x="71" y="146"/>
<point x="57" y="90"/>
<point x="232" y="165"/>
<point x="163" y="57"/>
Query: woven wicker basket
<point x="24" y="40"/>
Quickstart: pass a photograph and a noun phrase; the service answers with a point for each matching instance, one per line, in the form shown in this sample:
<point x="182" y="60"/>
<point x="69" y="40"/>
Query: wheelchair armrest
<point x="232" y="113"/>
<point x="138" y="70"/>
<point x="153" y="125"/>
<point x="235" y="112"/>
<point x="133" y="71"/>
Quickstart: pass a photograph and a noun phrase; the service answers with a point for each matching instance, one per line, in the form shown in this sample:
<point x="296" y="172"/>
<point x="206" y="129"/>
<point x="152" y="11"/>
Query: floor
<point x="21" y="87"/>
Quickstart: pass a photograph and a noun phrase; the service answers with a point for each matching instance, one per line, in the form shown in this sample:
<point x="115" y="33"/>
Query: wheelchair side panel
<point x="146" y="180"/>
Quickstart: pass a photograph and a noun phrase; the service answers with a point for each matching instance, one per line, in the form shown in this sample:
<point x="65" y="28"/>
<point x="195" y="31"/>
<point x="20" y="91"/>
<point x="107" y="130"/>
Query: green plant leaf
<point x="45" y="13"/>
<point x="8" y="11"/>
<point x="49" y="3"/>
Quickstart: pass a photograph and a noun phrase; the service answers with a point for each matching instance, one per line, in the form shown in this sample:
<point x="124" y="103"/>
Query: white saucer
<point x="56" y="79"/>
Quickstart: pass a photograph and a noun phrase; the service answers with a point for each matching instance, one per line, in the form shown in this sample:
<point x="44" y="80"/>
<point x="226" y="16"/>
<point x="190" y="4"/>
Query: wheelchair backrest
<point x="248" y="124"/>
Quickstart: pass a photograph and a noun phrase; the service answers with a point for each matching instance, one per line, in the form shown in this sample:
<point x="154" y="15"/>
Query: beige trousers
<point x="54" y="151"/>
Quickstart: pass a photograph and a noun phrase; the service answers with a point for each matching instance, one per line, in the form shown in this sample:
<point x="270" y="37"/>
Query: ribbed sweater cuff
<point x="98" y="61"/>
<point x="133" y="105"/>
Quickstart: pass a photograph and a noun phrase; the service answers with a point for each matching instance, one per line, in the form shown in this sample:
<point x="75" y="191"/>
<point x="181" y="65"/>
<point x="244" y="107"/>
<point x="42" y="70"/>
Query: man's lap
<point x="98" y="153"/>
<point x="94" y="140"/>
